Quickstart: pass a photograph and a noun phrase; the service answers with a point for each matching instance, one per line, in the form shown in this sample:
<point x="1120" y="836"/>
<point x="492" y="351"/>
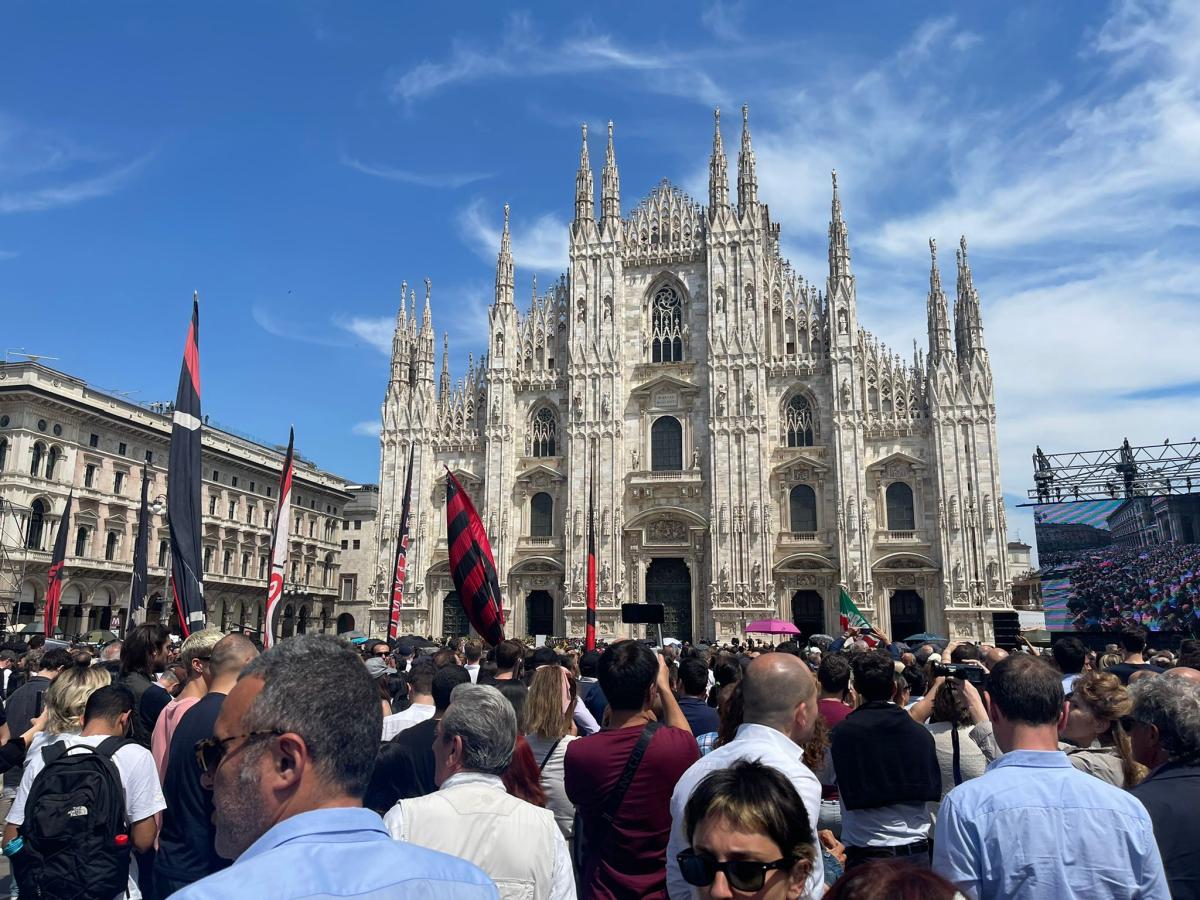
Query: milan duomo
<point x="749" y="444"/>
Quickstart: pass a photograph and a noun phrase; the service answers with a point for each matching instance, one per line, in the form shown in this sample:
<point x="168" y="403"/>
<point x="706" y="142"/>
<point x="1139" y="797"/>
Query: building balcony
<point x="539" y="544"/>
<point x="900" y="537"/>
<point x="689" y="476"/>
<point x="792" y="538"/>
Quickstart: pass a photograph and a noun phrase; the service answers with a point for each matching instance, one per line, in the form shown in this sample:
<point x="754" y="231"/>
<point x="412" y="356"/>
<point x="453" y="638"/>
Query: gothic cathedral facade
<point x="746" y="446"/>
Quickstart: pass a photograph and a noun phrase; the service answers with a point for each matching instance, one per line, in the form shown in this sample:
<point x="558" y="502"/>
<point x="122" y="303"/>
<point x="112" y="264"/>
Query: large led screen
<point x="1106" y="564"/>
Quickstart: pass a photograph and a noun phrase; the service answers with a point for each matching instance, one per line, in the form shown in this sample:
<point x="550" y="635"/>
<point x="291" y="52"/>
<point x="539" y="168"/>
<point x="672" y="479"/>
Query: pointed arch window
<point x="799" y="422"/>
<point x="900" y="512"/>
<point x="544" y="433"/>
<point x="3" y="453"/>
<point x="802" y="501"/>
<point x="541" y="515"/>
<point x="39" y="451"/>
<point x="666" y="445"/>
<point x="666" y="326"/>
<point x="110" y="546"/>
<point x="81" y="536"/>
<point x="52" y="459"/>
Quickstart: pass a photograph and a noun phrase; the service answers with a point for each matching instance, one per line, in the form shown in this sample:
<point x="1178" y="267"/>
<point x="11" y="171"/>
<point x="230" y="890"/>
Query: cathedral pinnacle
<point x="585" y="191"/>
<point x="427" y="319"/>
<point x="610" y="188"/>
<point x="400" y="313"/>
<point x="504" y="265"/>
<point x="937" y="312"/>
<point x="718" y="168"/>
<point x="444" y="387"/>
<point x="839" y="241"/>
<point x="747" y="178"/>
<point x="968" y="321"/>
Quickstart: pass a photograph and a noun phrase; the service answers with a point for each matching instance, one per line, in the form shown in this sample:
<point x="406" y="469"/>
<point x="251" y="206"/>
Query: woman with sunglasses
<point x="749" y="835"/>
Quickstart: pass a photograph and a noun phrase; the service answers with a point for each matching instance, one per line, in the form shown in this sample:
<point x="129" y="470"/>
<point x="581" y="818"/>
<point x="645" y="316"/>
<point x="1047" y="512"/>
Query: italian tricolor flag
<point x="849" y="615"/>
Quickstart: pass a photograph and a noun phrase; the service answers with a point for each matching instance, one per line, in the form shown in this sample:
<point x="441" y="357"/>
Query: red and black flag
<point x="590" y="635"/>
<point x="279" y="543"/>
<point x="400" y="568"/>
<point x="56" y="576"/>
<point x="141" y="550"/>
<point x="471" y="564"/>
<point x="183" y="487"/>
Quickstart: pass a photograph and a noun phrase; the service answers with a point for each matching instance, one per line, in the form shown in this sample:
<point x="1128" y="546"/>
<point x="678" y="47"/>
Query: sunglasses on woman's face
<point x="747" y="875"/>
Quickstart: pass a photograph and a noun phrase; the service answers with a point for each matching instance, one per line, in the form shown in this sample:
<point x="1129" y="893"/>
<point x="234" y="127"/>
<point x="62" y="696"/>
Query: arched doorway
<point x="808" y="613"/>
<point x="908" y="614"/>
<point x="345" y="622"/>
<point x="669" y="582"/>
<point x="288" y="625"/>
<point x="302" y="627"/>
<point x="539" y="613"/>
<point x="454" y="617"/>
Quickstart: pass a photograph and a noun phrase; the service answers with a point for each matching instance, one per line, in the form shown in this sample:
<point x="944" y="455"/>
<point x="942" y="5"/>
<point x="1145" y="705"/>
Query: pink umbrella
<point x="771" y="626"/>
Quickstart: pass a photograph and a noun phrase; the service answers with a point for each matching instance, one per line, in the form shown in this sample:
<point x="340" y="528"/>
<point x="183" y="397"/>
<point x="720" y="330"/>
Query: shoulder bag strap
<point x="957" y="759"/>
<point x="550" y="753"/>
<point x="631" y="767"/>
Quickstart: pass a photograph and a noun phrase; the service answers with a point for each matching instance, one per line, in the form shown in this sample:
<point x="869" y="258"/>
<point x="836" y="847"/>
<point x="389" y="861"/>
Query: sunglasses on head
<point x="747" y="875"/>
<point x="210" y="751"/>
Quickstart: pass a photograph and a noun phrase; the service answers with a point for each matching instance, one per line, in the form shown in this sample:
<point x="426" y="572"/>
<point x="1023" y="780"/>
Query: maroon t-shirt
<point x="833" y="711"/>
<point x="630" y="859"/>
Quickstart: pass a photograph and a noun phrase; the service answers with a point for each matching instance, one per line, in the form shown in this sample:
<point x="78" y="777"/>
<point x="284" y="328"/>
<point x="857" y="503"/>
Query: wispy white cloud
<point x="68" y="193"/>
<point x="724" y="18"/>
<point x="421" y="179"/>
<point x="540" y="245"/>
<point x="291" y="330"/>
<point x="9" y="254"/>
<point x="375" y="331"/>
<point x="369" y="428"/>
<point x="521" y="52"/>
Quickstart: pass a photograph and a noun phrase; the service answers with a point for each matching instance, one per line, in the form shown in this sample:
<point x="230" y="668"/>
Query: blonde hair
<point x="68" y="695"/>
<point x="198" y="643"/>
<point x="1108" y="660"/>
<point x="544" y="714"/>
<point x="1108" y="700"/>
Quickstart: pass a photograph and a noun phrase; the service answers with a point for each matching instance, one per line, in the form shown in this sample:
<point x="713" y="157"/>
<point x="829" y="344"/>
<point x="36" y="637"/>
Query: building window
<point x="270" y="491"/>
<point x="666" y="445"/>
<point x="900" y="513"/>
<point x="39" y="453"/>
<point x="308" y="573"/>
<point x="233" y="481"/>
<point x="267" y="518"/>
<point x="226" y="562"/>
<point x="245" y="565"/>
<point x="358" y="524"/>
<point x="666" y="326"/>
<point x="541" y="515"/>
<point x="150" y="457"/>
<point x="345" y="524"/>
<point x="252" y="487"/>
<point x="110" y="546"/>
<point x="37" y="522"/>
<point x="312" y="527"/>
<point x="3" y="453"/>
<point x="89" y="475"/>
<point x="208" y="556"/>
<point x="121" y="448"/>
<point x="216" y="475"/>
<point x="232" y="509"/>
<point x="544" y="433"/>
<point x="162" y="554"/>
<point x="52" y="461"/>
<point x="250" y="508"/>
<point x="212" y="504"/>
<point x="345" y="545"/>
<point x="358" y="545"/>
<point x="262" y="568"/>
<point x="94" y="441"/>
<point x="347" y="588"/>
<point x="803" y="503"/>
<point x="81" y="535"/>
<point x="798" y="422"/>
<point x="118" y="482"/>
<point x="299" y="524"/>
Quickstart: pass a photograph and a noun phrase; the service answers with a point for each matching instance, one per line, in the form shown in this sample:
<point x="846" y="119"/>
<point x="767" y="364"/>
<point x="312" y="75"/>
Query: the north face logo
<point x="76" y="811"/>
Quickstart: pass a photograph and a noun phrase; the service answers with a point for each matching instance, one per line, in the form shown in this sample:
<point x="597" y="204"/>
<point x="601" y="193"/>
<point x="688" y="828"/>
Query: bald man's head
<point x="1187" y="673"/>
<point x="779" y="692"/>
<point x="231" y="654"/>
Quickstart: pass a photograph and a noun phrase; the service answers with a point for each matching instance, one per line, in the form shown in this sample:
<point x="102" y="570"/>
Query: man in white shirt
<point x="472" y="816"/>
<point x="420" y="692"/>
<point x="779" y="699"/>
<point x="107" y="715"/>
<point x="473" y="653"/>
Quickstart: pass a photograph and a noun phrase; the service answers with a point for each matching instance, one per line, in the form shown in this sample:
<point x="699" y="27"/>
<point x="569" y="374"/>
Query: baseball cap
<point x="376" y="667"/>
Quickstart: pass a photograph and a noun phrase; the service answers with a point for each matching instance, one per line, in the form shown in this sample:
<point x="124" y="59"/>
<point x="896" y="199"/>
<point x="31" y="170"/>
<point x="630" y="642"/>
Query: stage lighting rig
<point x="1125" y="471"/>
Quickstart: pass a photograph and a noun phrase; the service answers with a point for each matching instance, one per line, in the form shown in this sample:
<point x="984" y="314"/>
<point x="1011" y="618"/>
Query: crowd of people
<point x="1155" y="587"/>
<point x="854" y="768"/>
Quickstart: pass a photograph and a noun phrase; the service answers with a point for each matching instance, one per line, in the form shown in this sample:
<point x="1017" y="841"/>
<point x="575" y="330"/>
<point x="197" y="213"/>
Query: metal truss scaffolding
<point x="1121" y="472"/>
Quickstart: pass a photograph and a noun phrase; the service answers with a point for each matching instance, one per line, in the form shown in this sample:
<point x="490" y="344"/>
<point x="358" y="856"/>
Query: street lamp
<point x="157" y="507"/>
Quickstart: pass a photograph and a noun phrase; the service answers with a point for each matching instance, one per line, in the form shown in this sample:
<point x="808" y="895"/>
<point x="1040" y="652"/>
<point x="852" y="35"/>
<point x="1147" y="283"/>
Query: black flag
<point x="183" y="487"/>
<point x="137" y="587"/>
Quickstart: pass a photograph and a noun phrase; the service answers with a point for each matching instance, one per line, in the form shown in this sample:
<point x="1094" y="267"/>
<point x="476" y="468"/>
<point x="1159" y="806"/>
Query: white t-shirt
<point x="406" y="718"/>
<point x="139" y="778"/>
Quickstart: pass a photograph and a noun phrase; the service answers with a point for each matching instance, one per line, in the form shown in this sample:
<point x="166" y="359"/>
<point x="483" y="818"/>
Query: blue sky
<point x="295" y="162"/>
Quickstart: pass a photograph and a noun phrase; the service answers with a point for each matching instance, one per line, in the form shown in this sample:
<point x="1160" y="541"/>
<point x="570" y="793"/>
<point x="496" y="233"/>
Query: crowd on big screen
<point x="853" y="768"/>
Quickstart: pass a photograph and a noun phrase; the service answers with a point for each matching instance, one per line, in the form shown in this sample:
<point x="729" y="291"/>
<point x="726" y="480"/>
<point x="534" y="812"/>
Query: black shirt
<point x="185" y="844"/>
<point x="1124" y="670"/>
<point x="23" y="707"/>
<point x="412" y="767"/>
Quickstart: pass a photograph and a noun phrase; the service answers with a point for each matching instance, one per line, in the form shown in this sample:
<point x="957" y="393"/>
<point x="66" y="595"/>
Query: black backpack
<point x="76" y="840"/>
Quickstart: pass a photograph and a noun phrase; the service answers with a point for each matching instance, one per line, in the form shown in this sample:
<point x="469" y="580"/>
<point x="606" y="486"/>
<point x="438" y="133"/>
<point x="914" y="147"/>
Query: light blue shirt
<point x="1034" y="826"/>
<point x="344" y="852"/>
